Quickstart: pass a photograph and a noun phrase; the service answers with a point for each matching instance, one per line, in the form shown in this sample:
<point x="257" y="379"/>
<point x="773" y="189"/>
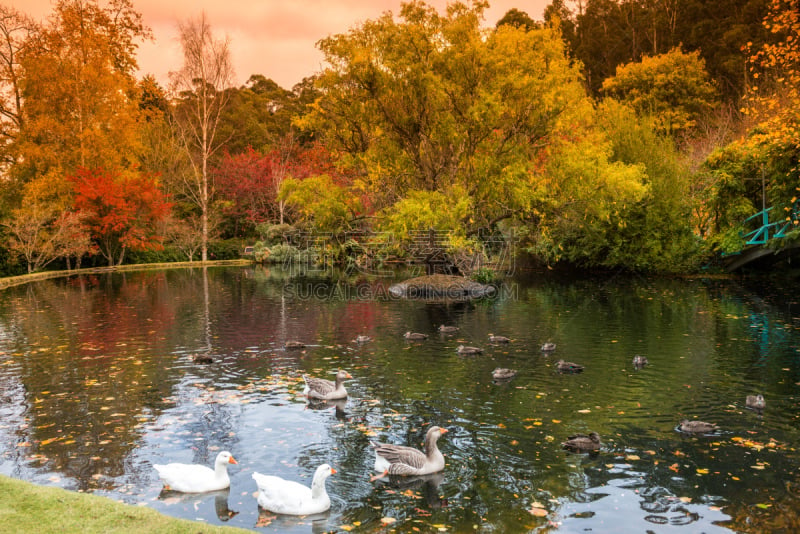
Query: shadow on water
<point x="100" y="380"/>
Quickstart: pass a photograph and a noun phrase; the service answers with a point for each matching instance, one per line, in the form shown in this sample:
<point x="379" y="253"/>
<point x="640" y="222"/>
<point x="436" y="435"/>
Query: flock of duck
<point x="282" y="496"/>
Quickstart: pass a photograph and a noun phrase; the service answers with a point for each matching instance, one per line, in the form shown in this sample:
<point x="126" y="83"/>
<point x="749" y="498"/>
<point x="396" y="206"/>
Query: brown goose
<point x="756" y="402"/>
<point x="498" y="339"/>
<point x="568" y="367"/>
<point x="415" y="336"/>
<point x="639" y="361"/>
<point x="582" y="442"/>
<point x="407" y="461"/>
<point x="468" y="350"/>
<point x="320" y="388"/>
<point x="548" y="347"/>
<point x="502" y="373"/>
<point x="294" y="345"/>
<point x="447" y="329"/>
<point x="202" y="358"/>
<point x="696" y="427"/>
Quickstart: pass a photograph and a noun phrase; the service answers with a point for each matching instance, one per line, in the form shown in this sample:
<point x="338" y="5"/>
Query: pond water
<point x="97" y="384"/>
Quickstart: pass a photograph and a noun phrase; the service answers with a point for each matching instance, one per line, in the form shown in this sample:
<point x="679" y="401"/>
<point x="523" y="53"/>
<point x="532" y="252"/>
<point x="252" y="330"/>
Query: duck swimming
<point x="583" y="442"/>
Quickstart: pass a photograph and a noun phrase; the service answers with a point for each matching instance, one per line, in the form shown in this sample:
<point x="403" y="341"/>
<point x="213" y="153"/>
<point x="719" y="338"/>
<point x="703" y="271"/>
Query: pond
<point x="98" y="384"/>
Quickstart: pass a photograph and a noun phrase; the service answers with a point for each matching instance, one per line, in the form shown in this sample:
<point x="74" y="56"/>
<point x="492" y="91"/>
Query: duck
<point x="583" y="442"/>
<point x="548" y="347"/>
<point x="323" y="389"/>
<point x="415" y="336"/>
<point x="461" y="349"/>
<point x="362" y="339"/>
<point x="408" y="461"/>
<point x="696" y="427"/>
<point x="294" y="345"/>
<point x="202" y="359"/>
<point x="447" y="329"/>
<point x="498" y="339"/>
<point x="194" y="478"/>
<point x="502" y="373"/>
<point x="282" y="496"/>
<point x="756" y="402"/>
<point x="639" y="361"/>
<point x="568" y="367"/>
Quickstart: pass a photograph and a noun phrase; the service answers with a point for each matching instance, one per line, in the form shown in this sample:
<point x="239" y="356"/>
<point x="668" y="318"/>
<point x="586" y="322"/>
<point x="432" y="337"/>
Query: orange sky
<point x="275" y="38"/>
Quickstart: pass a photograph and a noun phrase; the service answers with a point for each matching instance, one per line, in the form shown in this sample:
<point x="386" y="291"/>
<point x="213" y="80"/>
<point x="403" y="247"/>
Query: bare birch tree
<point x="199" y="96"/>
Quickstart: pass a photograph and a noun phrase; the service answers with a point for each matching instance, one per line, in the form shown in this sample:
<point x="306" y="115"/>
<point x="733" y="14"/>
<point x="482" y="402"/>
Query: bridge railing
<point x="770" y="230"/>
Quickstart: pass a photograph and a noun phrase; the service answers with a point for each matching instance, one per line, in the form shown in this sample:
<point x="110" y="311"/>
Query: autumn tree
<point x="80" y="102"/>
<point x="121" y="210"/>
<point x="16" y="33"/>
<point x="430" y="101"/>
<point x="44" y="227"/>
<point x="251" y="181"/>
<point x="199" y="89"/>
<point x="673" y="88"/>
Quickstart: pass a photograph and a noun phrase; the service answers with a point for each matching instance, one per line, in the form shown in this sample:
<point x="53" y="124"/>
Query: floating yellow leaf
<point x="585" y="411"/>
<point x="388" y="520"/>
<point x="702" y="471"/>
<point x="686" y="499"/>
<point x="632" y="457"/>
<point x="348" y="528"/>
<point x="556" y="421"/>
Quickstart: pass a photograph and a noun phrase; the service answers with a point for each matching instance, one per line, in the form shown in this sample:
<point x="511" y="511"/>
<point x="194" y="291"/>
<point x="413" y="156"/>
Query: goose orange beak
<point x="444" y="431"/>
<point x="333" y="471"/>
<point x="232" y="461"/>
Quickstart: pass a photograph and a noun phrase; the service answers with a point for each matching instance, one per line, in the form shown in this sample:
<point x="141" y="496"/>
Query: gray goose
<point x="294" y="345"/>
<point x="447" y="329"/>
<point x="583" y="442"/>
<point x="548" y="347"/>
<point x="696" y="427"/>
<point x="462" y="349"/>
<point x="408" y="461"/>
<point x="498" y="339"/>
<point x="320" y="388"/>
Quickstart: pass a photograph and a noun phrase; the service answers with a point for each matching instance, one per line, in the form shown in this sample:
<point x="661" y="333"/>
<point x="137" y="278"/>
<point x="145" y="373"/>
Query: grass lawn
<point x="26" y="507"/>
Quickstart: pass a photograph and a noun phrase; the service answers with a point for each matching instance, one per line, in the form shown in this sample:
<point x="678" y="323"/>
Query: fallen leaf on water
<point x="388" y="520"/>
<point x="585" y="411"/>
<point x="632" y="457"/>
<point x="348" y="528"/>
<point x="763" y="506"/>
<point x="702" y="471"/>
<point x="686" y="499"/>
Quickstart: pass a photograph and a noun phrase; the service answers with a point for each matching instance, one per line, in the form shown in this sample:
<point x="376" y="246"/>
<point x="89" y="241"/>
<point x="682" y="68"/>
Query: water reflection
<point x="196" y="501"/>
<point x="98" y="383"/>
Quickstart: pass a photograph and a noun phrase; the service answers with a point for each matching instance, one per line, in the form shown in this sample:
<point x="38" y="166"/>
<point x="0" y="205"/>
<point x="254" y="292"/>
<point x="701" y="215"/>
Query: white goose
<point x="320" y="388"/>
<point x="286" y="497"/>
<point x="193" y="478"/>
<point x="407" y="461"/>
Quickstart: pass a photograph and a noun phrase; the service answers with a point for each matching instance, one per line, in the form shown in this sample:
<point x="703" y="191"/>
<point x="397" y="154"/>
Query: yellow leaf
<point x="702" y="471"/>
<point x="348" y="528"/>
<point x="632" y="458"/>
<point x="388" y="520"/>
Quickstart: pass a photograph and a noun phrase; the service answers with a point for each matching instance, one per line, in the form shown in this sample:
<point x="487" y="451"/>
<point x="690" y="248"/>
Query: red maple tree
<point x="120" y="210"/>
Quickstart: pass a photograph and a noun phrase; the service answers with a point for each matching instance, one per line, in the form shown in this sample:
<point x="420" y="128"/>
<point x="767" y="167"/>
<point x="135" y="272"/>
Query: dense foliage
<point x="613" y="133"/>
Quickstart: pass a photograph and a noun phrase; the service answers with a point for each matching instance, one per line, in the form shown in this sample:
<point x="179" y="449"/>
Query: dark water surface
<point x="97" y="384"/>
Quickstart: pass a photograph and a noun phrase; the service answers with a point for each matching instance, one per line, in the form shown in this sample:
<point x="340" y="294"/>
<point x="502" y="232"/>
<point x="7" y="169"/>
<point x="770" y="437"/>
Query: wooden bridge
<point x="756" y="240"/>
